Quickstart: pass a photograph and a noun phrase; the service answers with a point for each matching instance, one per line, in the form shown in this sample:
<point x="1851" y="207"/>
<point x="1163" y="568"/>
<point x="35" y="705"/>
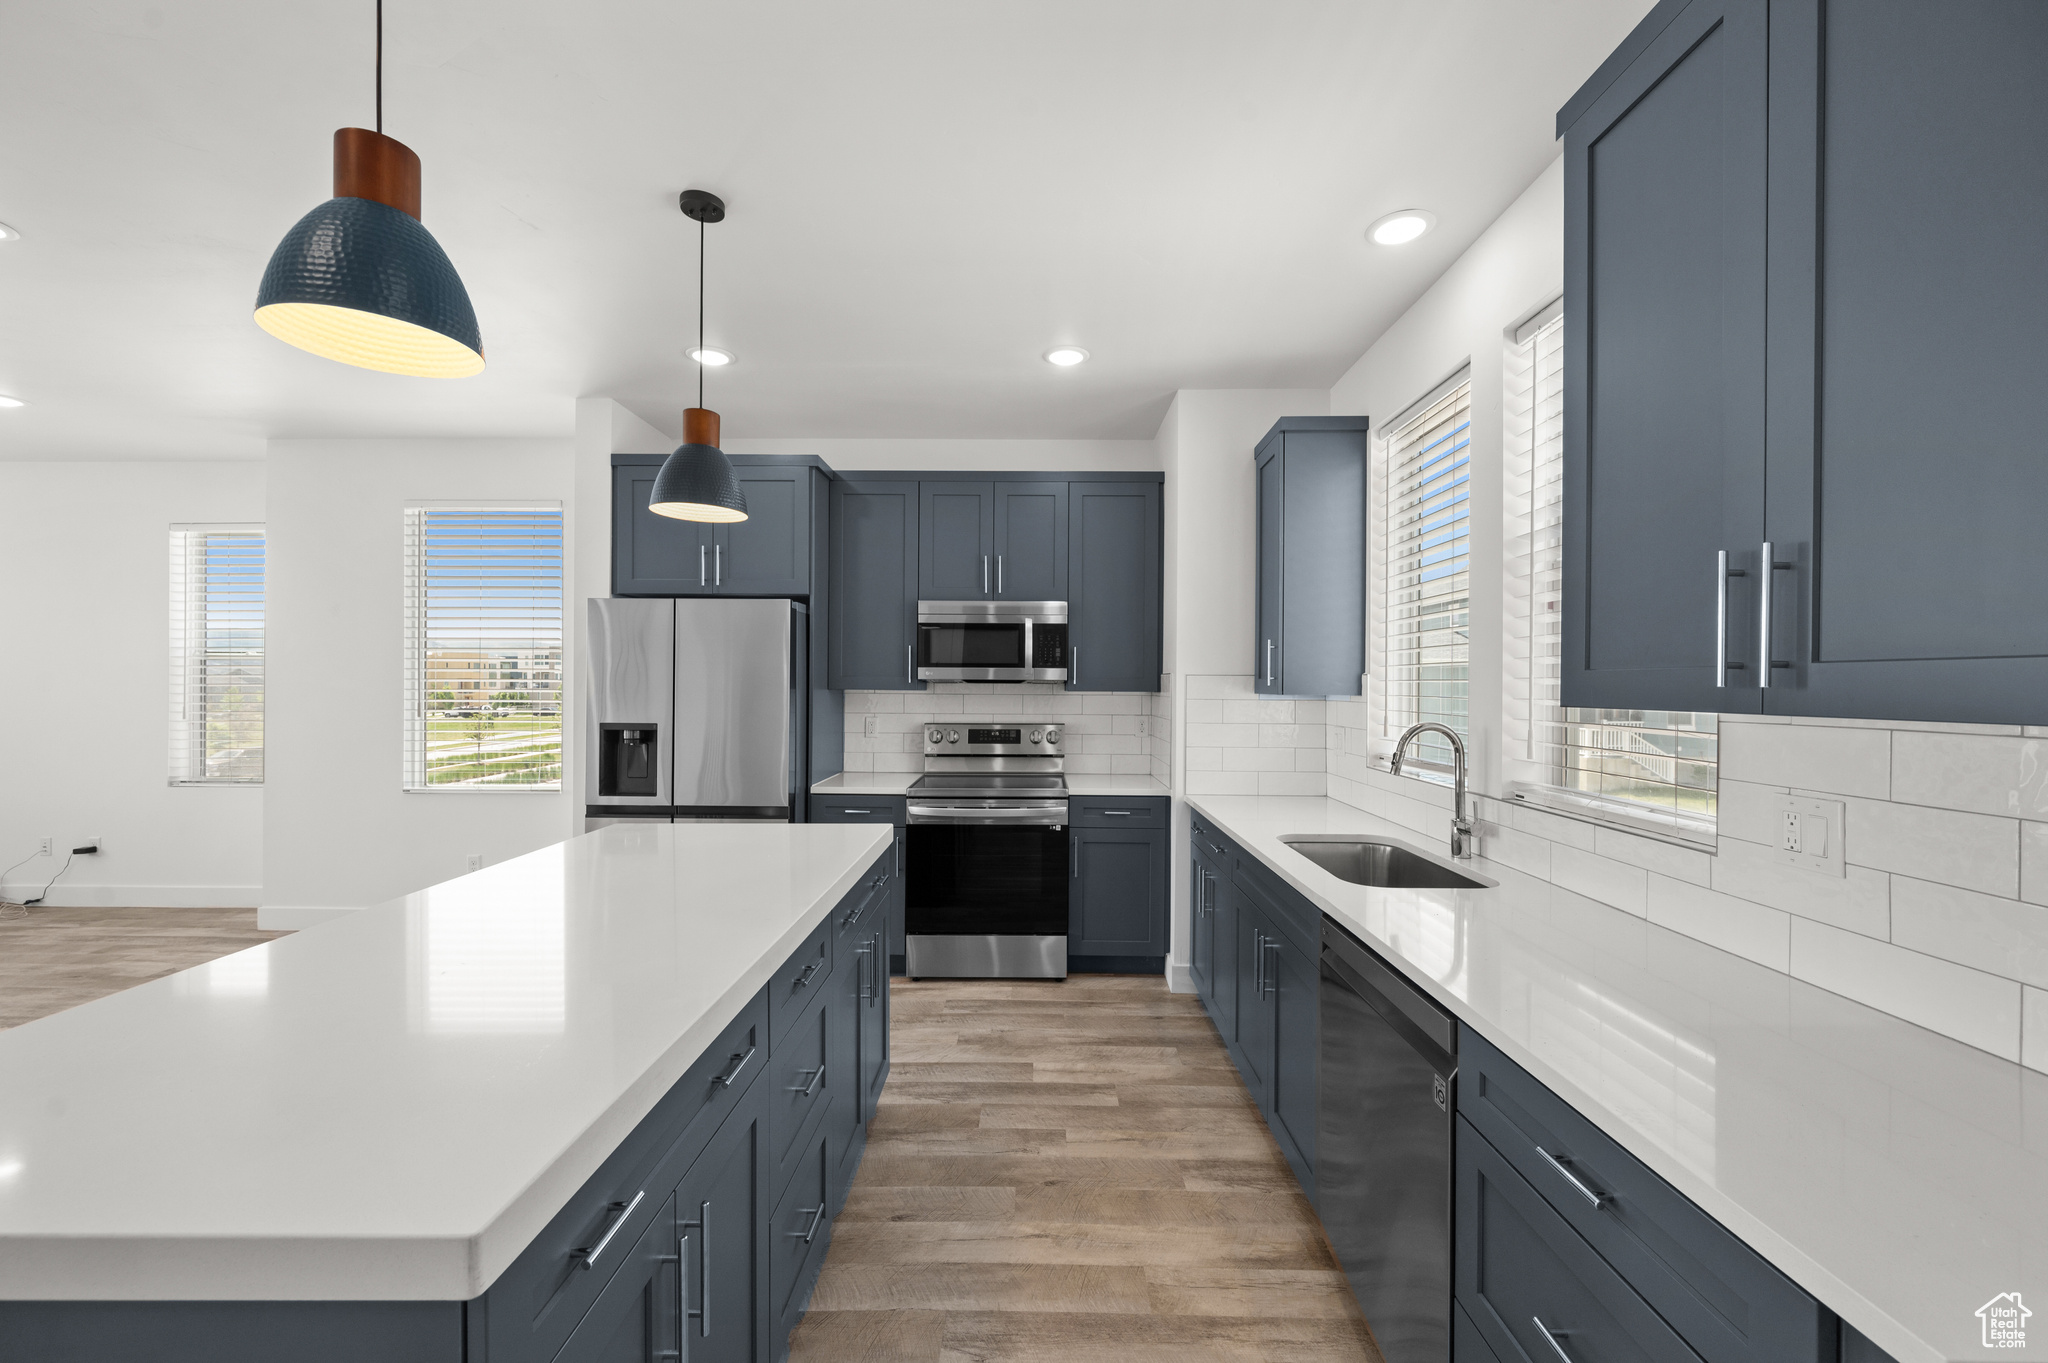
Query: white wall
<point x="85" y="717"/>
<point x="339" y="832"/>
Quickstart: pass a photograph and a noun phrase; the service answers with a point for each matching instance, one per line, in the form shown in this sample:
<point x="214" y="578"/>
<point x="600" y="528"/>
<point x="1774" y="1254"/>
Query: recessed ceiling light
<point x="711" y="355"/>
<point x="1065" y="356"/>
<point x="1397" y="229"/>
<point x="6" y="401"/>
<point x="8" y="233"/>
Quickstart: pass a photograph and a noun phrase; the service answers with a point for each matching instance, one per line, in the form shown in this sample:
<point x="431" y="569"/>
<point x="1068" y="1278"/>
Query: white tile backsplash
<point x="1763" y="935"/>
<point x="1108" y="733"/>
<point x="1233" y="733"/>
<point x="2003" y="936"/>
<point x="1969" y="1005"/>
<point x="1837" y="761"/>
<point x="2004" y="776"/>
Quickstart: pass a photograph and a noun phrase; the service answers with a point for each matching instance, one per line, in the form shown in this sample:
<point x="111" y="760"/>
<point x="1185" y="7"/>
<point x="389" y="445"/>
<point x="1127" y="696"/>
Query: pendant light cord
<point x="700" y="306"/>
<point x="380" y="66"/>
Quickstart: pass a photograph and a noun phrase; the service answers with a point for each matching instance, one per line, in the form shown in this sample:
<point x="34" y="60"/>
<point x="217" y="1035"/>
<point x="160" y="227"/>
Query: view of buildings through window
<point x="1426" y="610"/>
<point x="216" y="654"/>
<point x="484" y="648"/>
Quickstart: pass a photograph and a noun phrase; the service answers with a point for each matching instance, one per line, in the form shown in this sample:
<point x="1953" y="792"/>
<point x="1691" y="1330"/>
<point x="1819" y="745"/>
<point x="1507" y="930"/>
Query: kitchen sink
<point x="1385" y="864"/>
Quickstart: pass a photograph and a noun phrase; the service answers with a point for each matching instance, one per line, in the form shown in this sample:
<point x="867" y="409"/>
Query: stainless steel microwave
<point x="992" y="641"/>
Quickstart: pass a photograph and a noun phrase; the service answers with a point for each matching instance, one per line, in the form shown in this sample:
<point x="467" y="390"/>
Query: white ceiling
<point x="923" y="196"/>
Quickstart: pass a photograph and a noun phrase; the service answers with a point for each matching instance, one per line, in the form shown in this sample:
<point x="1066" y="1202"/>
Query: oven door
<point x="985" y="889"/>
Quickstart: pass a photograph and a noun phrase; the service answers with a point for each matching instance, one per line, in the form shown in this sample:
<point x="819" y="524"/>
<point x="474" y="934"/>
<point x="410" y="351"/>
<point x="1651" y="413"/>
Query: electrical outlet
<point x="871" y="726"/>
<point x="476" y="861"/>
<point x="1792" y="830"/>
<point x="47" y="844"/>
<point x="1810" y="834"/>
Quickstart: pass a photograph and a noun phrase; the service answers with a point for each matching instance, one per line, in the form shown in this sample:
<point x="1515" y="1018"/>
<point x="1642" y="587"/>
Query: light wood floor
<point x="1072" y="1172"/>
<point x="58" y="958"/>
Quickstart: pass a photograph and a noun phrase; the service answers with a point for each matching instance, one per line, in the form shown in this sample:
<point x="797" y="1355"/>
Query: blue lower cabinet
<point x="634" y="1319"/>
<point x="1120" y="887"/>
<point x="1467" y="1344"/>
<point x="798" y="1233"/>
<point x="723" y="1262"/>
<point x="1294" y="977"/>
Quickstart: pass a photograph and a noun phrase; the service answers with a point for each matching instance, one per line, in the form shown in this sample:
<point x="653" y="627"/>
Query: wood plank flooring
<point x="1074" y="1173"/>
<point x="58" y="958"/>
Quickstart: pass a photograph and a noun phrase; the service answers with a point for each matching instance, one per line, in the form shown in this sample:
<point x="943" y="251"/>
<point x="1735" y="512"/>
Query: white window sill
<point x="1696" y="835"/>
<point x="483" y="790"/>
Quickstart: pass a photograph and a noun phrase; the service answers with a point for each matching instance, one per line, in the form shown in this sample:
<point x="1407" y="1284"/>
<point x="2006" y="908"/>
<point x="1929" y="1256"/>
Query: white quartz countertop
<point x="898" y="783"/>
<point x="1899" y="1176"/>
<point x="392" y="1105"/>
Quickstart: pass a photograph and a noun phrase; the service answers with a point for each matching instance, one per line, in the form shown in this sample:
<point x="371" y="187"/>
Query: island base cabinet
<point x="720" y="1207"/>
<point x="798" y="1233"/>
<point x="635" y="1319"/>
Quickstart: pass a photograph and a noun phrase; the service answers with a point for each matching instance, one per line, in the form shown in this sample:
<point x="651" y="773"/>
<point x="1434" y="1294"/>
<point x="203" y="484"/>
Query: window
<point x="483" y="648"/>
<point x="1425" y="500"/>
<point x="216" y="655"/>
<point x="1651" y="767"/>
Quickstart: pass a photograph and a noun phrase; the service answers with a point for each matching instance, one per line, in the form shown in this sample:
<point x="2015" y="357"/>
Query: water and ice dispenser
<point x="628" y="760"/>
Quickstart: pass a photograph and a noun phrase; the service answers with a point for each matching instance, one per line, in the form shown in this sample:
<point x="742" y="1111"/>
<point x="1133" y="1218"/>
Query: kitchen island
<point x="360" y="1128"/>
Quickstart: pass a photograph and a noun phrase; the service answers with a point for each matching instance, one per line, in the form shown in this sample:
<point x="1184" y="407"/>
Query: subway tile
<point x="1215" y="687"/>
<point x="2034" y="862"/>
<point x="944" y="705"/>
<point x="1087" y="724"/>
<point x="1975" y="851"/>
<point x="1311" y="759"/>
<point x="1088" y="764"/>
<point x="1680" y="863"/>
<point x="1281" y="736"/>
<point x="1290" y="783"/>
<point x="856" y="761"/>
<point x="1132" y="765"/>
<point x="1748" y="811"/>
<point x="898" y="761"/>
<point x="1203" y="759"/>
<point x="1761" y="934"/>
<point x="1510" y="846"/>
<point x="1130" y="724"/>
<point x="1809" y="757"/>
<point x="1258" y="712"/>
<point x="1111" y="703"/>
<point x="1258" y="759"/>
<point x="1115" y="743"/>
<point x="1975" y="1008"/>
<point x="874" y="702"/>
<point x="1858" y="902"/>
<point x="1611" y="882"/>
<point x="1311" y="711"/>
<point x="1203" y="711"/>
<point x="2034" y="1029"/>
<point x="1571" y="832"/>
<point x="1223" y="783"/>
<point x="2007" y="776"/>
<point x="2002" y="936"/>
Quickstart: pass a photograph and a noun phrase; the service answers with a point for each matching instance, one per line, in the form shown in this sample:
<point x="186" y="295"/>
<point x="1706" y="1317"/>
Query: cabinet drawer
<point x="1532" y="1287"/>
<point x="864" y="903"/>
<point x="1138" y="811"/>
<point x="800" y="1082"/>
<point x="1289" y="912"/>
<point x="799" y="1229"/>
<point x="799" y="982"/>
<point x="1730" y="1305"/>
<point x="538" y="1300"/>
<point x="858" y="809"/>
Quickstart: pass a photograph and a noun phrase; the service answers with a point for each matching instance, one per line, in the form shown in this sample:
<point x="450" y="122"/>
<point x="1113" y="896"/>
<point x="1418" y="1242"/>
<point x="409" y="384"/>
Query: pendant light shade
<point x="360" y="279"/>
<point x="697" y="482"/>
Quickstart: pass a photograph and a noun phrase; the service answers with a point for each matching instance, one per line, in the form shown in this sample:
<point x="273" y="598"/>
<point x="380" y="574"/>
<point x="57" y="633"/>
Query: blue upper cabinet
<point x="1030" y="542"/>
<point x="872" y="617"/>
<point x="1664" y="366"/>
<point x="1113" y="585"/>
<point x="1309" y="635"/>
<point x="956" y="551"/>
<point x="768" y="554"/>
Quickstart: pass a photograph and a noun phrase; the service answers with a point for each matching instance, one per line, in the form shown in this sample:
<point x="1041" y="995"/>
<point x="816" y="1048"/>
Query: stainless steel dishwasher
<point x="1388" y="1058"/>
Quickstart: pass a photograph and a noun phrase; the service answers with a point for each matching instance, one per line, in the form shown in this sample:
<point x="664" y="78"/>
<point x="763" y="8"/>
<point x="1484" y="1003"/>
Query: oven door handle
<point x="1050" y="817"/>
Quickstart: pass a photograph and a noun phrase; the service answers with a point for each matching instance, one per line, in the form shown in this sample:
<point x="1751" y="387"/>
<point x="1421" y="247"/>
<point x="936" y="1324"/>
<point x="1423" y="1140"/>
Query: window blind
<point x="1426" y="585"/>
<point x="1652" y="767"/>
<point x="483" y="648"/>
<point x="216" y="607"/>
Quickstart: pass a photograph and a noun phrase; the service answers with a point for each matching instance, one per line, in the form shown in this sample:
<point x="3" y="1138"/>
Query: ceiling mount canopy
<point x="697" y="482"/>
<point x="360" y="279"/>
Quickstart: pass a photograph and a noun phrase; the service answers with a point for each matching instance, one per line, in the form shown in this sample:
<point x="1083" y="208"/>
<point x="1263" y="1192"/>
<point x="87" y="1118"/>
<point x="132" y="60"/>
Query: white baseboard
<point x="138" y="896"/>
<point x="1178" y="979"/>
<point x="292" y="917"/>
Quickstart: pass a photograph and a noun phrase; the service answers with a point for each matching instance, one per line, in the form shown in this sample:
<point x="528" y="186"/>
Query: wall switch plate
<point x="1810" y="834"/>
<point x="47" y="844"/>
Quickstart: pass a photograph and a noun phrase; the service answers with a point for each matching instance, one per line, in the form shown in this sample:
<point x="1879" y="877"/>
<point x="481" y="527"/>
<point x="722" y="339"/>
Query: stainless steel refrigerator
<point x="697" y="709"/>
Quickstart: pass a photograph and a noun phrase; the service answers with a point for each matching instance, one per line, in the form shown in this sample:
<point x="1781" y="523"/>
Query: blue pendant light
<point x="359" y="279"/>
<point x="697" y="482"/>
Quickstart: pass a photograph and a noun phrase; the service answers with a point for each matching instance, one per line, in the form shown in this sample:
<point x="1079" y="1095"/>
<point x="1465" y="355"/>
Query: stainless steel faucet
<point x="1461" y="827"/>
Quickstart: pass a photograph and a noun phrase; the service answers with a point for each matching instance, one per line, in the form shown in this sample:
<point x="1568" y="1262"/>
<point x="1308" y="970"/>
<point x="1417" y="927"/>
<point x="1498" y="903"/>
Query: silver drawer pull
<point x="817" y="1076"/>
<point x="739" y="1062"/>
<point x="1550" y="1337"/>
<point x="856" y="811"/>
<point x="1597" y="1199"/>
<point x="817" y="1215"/>
<point x="1121" y="813"/>
<point x="805" y="978"/>
<point x="702" y="1315"/>
<point x="588" y="1257"/>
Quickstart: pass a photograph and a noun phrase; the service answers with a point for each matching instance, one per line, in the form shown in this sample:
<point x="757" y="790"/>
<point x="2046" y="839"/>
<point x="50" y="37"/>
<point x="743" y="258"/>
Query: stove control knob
<point x="1052" y="736"/>
<point x="935" y="735"/>
<point x="1037" y="735"/>
<point x="952" y="735"/>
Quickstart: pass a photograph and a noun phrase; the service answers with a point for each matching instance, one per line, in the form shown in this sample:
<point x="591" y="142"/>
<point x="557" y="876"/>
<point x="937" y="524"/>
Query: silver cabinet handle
<point x="984" y="574"/>
<point x="702" y="1313"/>
<point x="1075" y="856"/>
<point x="739" y="1062"/>
<point x="1722" y="572"/>
<point x="1268" y="985"/>
<point x="1550" y="1338"/>
<point x="717" y="564"/>
<point x="805" y="978"/>
<point x="700" y="565"/>
<point x="588" y="1257"/>
<point x="1764" y="661"/>
<point x="856" y="811"/>
<point x="1258" y="964"/>
<point x="899" y="851"/>
<point x="681" y="1259"/>
<point x="817" y="1077"/>
<point x="1269" y="662"/>
<point x="861" y="966"/>
<point x="906" y="664"/>
<point x="1598" y="1200"/>
<point x="817" y="1215"/>
<point x="999" y="574"/>
<point x="1120" y="813"/>
<point x="1075" y="674"/>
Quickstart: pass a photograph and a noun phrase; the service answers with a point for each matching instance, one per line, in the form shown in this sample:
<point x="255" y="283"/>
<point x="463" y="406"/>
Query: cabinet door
<point x="655" y="555"/>
<point x="1224" y="940"/>
<point x="956" y="538"/>
<point x="1293" y="976"/>
<point x="1908" y="267"/>
<point x="634" y="1319"/>
<point x="1031" y="541"/>
<point x="1267" y="645"/>
<point x="1117" y="905"/>
<point x="1321" y="644"/>
<point x="768" y="553"/>
<point x="896" y="905"/>
<point x="1202" y="929"/>
<point x="1664" y="370"/>
<point x="874" y="1018"/>
<point x="1113" y="587"/>
<point x="721" y="1205"/>
<point x="1254" y="1002"/>
<point x="873" y="620"/>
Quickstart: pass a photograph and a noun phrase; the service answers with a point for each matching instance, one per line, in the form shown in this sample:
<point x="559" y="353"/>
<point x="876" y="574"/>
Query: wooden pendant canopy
<point x="700" y="426"/>
<point x="369" y="165"/>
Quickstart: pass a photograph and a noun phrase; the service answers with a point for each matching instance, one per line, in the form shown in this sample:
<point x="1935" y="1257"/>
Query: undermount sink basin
<point x="1383" y="864"/>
